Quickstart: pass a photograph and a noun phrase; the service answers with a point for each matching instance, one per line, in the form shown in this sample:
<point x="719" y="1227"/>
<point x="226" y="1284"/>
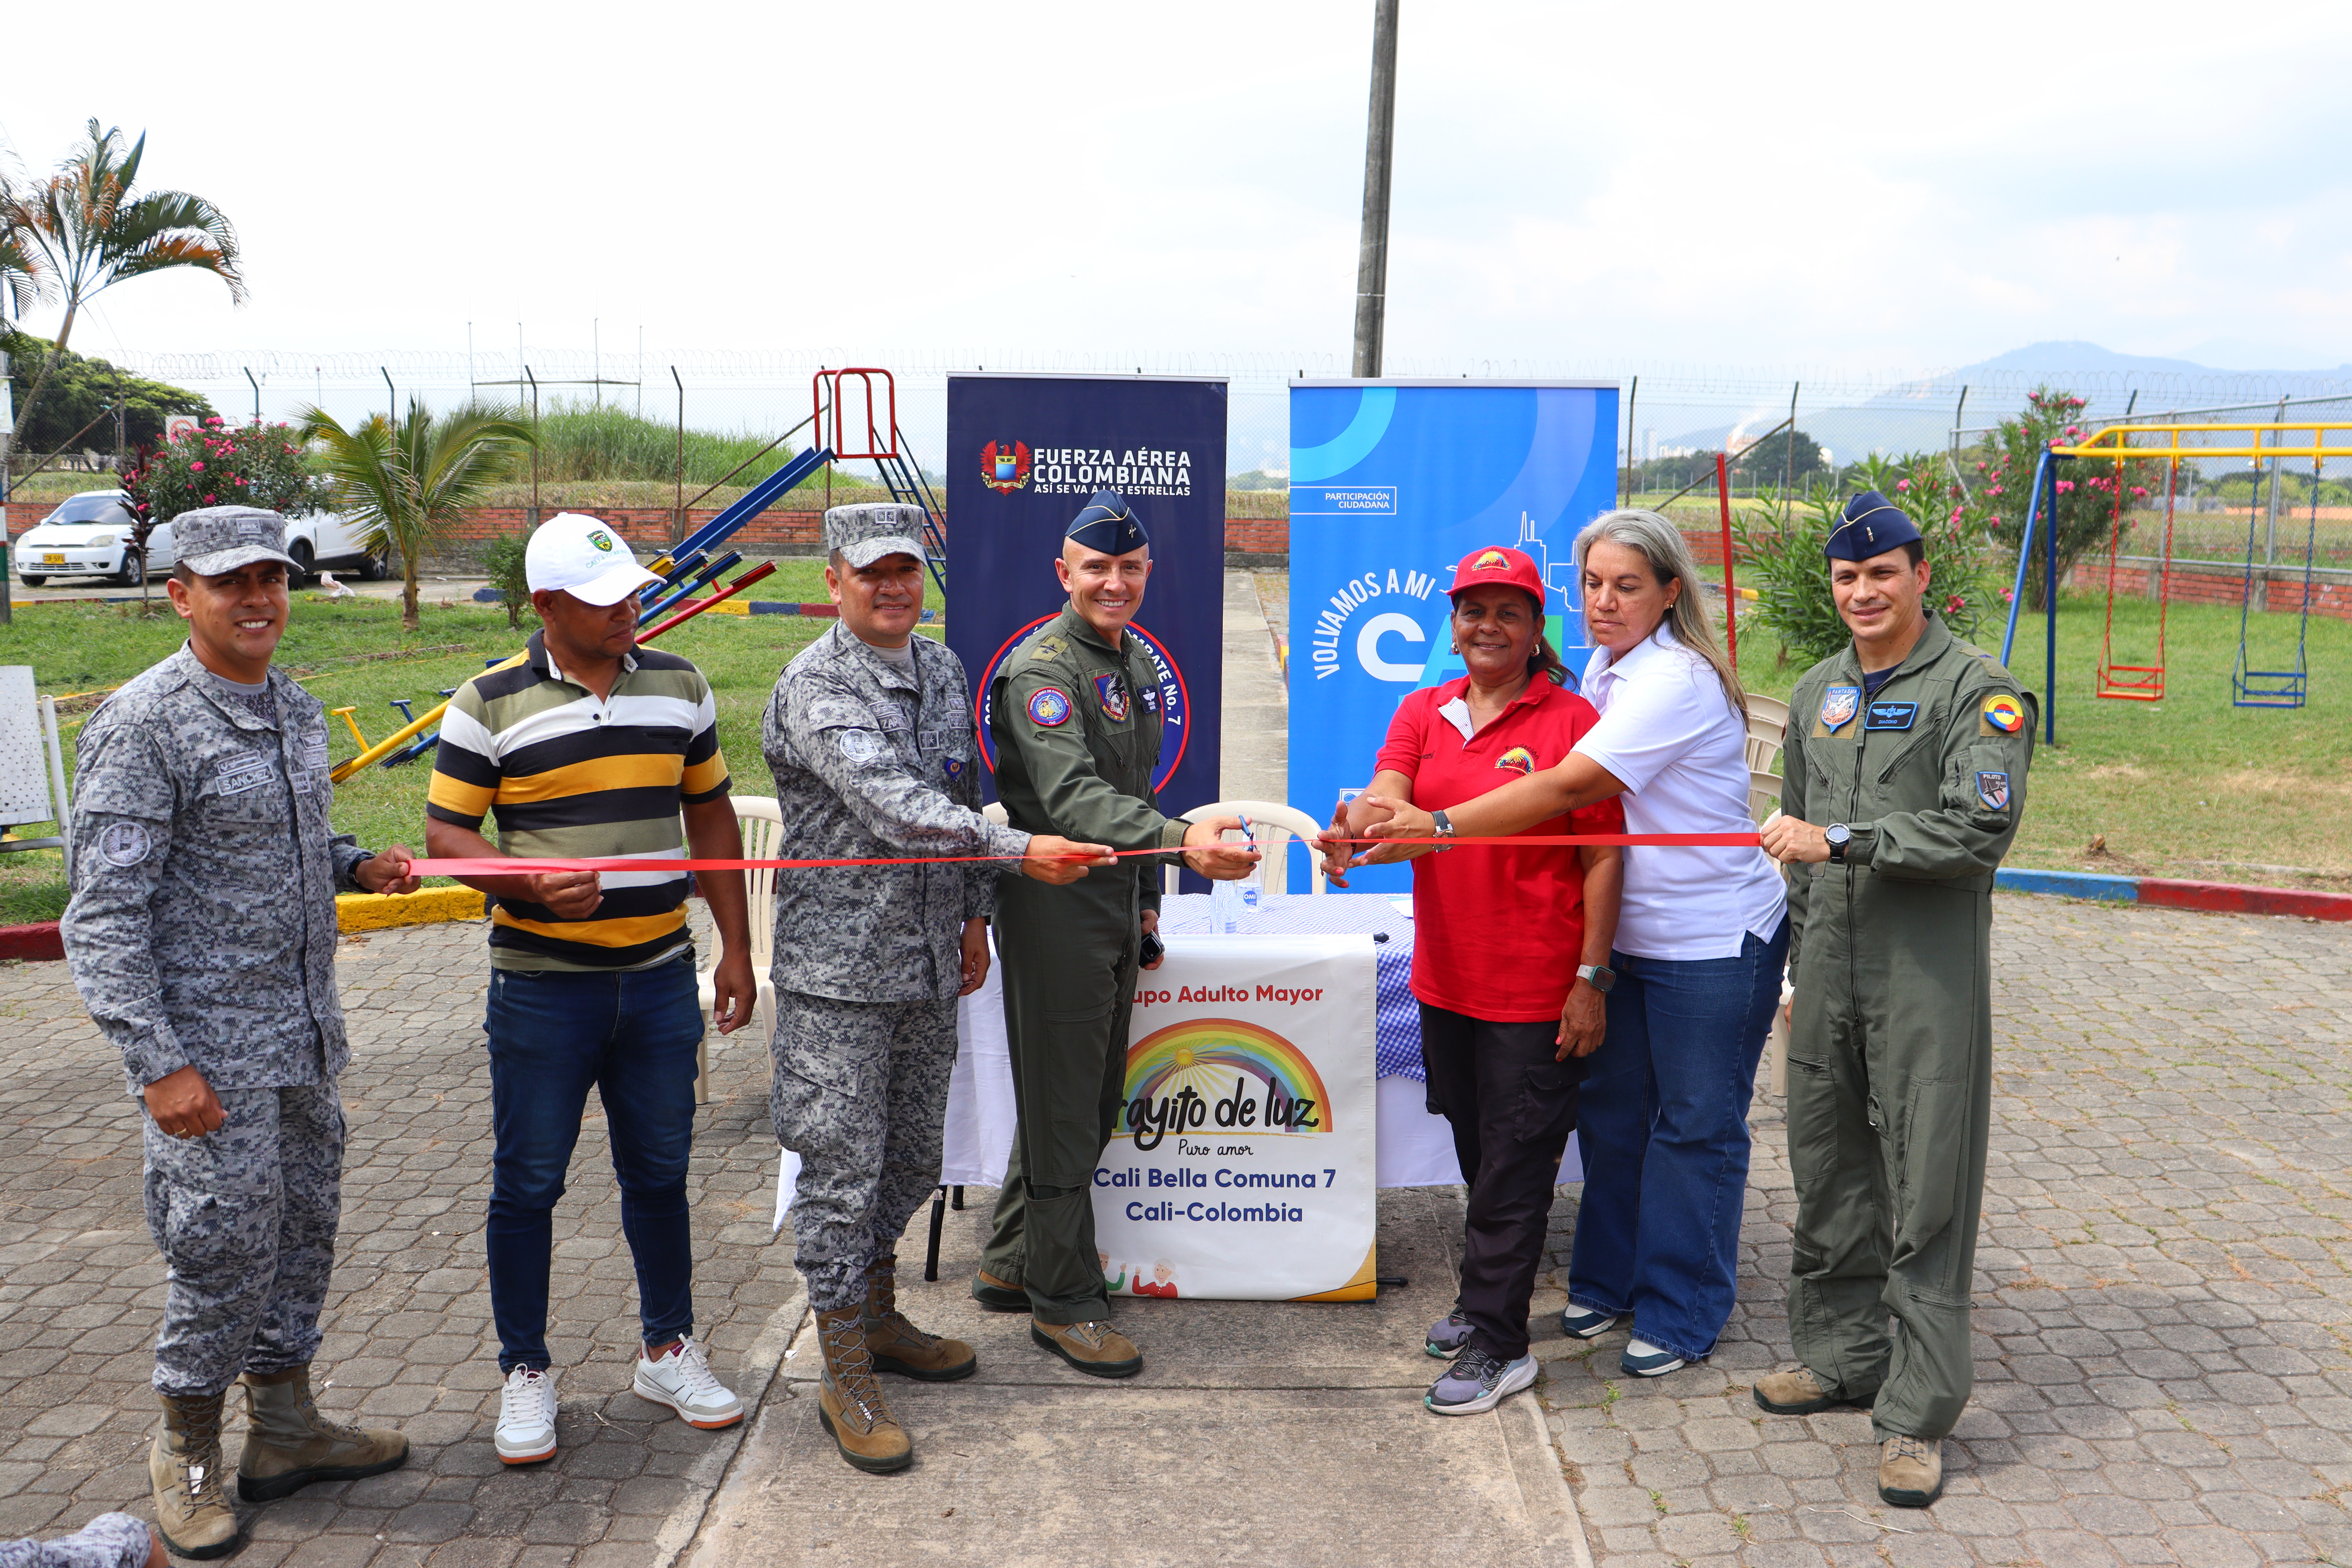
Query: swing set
<point x="2170" y="443"/>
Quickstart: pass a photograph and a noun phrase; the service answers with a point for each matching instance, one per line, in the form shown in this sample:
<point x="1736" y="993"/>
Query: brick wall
<point x="2331" y="596"/>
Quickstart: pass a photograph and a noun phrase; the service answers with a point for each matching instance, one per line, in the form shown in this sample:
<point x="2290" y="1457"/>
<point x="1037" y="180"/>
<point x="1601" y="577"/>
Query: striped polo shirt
<point x="571" y="775"/>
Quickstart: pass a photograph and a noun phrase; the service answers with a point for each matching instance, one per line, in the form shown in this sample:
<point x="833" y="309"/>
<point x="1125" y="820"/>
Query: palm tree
<point x="408" y="484"/>
<point x="91" y="233"/>
<point x="24" y="281"/>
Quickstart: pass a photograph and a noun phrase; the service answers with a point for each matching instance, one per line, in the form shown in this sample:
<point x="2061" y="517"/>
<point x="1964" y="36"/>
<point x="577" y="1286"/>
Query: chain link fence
<point x="650" y="429"/>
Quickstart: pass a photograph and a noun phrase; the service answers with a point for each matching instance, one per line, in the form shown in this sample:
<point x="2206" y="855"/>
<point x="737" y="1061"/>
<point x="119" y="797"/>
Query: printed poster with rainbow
<point x="1242" y="1166"/>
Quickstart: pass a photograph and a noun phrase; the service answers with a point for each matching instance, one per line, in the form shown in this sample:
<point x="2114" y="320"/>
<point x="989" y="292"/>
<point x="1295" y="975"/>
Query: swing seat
<point x="2131" y="682"/>
<point x="2269" y="689"/>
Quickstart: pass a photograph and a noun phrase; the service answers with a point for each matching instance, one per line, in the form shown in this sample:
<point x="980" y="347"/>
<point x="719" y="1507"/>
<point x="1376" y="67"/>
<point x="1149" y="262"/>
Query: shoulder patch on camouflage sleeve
<point x="124" y="843"/>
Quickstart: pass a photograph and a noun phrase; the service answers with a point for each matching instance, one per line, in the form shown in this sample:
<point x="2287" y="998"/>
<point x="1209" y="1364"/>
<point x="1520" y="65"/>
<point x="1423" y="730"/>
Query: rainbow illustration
<point x="1517" y="760"/>
<point x="1205" y="1055"/>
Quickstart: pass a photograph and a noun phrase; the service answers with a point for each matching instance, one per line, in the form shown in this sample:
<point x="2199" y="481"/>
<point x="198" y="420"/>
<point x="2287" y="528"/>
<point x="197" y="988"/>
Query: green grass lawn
<point x="2189" y="786"/>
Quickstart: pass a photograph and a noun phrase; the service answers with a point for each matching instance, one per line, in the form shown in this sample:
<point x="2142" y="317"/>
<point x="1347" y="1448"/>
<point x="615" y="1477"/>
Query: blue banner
<point x="1391" y="483"/>
<point x="1025" y="455"/>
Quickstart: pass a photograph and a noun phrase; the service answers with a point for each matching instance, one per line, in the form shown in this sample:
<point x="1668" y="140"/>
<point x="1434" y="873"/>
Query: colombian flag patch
<point x="2005" y="713"/>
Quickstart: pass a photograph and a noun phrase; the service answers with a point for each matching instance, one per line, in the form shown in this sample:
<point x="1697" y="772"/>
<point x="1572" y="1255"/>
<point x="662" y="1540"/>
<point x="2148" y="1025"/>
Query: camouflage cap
<point x="864" y="534"/>
<point x="217" y="539"/>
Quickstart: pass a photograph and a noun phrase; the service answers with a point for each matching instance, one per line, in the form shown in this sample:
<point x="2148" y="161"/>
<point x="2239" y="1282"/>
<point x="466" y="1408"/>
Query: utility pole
<point x="1380" y="139"/>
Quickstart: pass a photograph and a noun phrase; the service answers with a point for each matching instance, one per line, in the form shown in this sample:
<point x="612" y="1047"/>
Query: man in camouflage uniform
<point x="1075" y="717"/>
<point x="202" y="937"/>
<point x="870" y="735"/>
<point x="1905" y="758"/>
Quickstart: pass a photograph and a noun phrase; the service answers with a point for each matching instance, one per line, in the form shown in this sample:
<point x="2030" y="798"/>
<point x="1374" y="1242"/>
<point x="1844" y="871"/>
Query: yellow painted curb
<point x="380" y="912"/>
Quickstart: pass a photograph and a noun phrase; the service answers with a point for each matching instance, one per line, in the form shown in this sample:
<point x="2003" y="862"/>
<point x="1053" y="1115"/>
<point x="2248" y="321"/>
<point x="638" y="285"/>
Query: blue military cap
<point x="1109" y="524"/>
<point x="1870" y="525"/>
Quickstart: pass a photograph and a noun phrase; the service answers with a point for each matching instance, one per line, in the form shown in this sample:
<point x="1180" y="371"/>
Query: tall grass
<point x="582" y="442"/>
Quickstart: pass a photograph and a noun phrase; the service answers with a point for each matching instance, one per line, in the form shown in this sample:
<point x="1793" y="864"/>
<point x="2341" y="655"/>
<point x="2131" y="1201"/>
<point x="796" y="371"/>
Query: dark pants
<point x="1511" y="1108"/>
<point x="553" y="1035"/>
<point x="1664" y="1138"/>
<point x="1069" y="984"/>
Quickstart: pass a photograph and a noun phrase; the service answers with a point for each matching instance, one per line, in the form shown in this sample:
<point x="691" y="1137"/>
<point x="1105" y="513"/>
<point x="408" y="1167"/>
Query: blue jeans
<point x="1662" y="1129"/>
<point x="554" y="1034"/>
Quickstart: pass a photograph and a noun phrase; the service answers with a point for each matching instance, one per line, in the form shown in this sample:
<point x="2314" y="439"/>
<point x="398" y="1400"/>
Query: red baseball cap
<point x="1497" y="565"/>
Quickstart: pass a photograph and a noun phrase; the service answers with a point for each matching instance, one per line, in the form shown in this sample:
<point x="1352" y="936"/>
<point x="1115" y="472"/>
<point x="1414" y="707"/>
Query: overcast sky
<point x="1864" y="186"/>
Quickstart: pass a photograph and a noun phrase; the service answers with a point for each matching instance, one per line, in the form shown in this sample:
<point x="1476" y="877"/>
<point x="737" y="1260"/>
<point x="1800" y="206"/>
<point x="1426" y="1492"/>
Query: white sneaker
<point x="682" y="1379"/>
<point x="526" y="1416"/>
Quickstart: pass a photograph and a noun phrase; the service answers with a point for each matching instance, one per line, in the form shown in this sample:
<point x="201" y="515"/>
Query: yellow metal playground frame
<point x="2249" y="688"/>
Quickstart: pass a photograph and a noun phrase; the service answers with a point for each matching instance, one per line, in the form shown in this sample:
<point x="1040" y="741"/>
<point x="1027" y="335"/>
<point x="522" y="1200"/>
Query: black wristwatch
<point x="1599" y="976"/>
<point x="1443" y="828"/>
<point x="1839" y="836"/>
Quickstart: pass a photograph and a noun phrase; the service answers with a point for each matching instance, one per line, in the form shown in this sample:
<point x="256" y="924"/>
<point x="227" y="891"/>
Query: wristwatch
<point x="1442" y="825"/>
<point x="1601" y="978"/>
<point x="1839" y="836"/>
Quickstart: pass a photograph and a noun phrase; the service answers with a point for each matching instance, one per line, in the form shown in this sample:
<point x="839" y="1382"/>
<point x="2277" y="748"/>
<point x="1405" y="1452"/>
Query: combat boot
<point x="848" y="1402"/>
<point x="192" y="1513"/>
<point x="1910" y="1471"/>
<point x="897" y="1346"/>
<point x="1796" y="1392"/>
<point x="289" y="1445"/>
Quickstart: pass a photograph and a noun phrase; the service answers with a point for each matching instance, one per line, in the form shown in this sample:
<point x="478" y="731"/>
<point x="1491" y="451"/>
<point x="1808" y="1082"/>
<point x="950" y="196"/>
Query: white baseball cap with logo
<point x="585" y="557"/>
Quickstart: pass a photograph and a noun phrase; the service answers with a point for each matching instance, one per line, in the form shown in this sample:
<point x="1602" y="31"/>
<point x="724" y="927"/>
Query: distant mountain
<point x="1920" y="414"/>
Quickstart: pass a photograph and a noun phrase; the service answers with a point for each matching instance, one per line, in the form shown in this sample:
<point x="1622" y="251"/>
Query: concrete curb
<point x="759" y="1375"/>
<point x="36" y="943"/>
<point x="426" y="906"/>
<point x="2225" y="897"/>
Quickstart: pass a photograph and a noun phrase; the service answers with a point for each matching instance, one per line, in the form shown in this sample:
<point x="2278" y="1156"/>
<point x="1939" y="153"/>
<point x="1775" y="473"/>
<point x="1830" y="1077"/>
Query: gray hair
<point x="1662" y="544"/>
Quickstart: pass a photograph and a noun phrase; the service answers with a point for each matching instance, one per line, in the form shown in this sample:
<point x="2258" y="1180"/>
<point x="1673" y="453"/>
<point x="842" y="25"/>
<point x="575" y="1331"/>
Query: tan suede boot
<point x="289" y="1445"/>
<point x="1910" y="1471"/>
<point x="1798" y="1393"/>
<point x="192" y="1513"/>
<point x="1096" y="1348"/>
<point x="897" y="1346"/>
<point x="849" y="1404"/>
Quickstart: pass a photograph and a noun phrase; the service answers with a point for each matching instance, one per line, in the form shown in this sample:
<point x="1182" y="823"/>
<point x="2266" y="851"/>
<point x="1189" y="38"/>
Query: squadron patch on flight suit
<point x="1049" y="707"/>
<point x="1992" y="789"/>
<point x="1839" y="705"/>
<point x="2002" y="715"/>
<point x="1110" y="691"/>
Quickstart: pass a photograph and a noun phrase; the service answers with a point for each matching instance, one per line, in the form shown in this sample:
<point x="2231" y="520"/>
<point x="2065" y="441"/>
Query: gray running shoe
<point x="1477" y="1382"/>
<point x="1449" y="1334"/>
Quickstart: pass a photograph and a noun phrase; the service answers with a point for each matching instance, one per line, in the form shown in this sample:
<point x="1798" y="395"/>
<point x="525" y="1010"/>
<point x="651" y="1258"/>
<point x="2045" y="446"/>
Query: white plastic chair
<point x="1273" y="825"/>
<point x="1767" y="721"/>
<point x="1763" y="795"/>
<point x="762" y="823"/>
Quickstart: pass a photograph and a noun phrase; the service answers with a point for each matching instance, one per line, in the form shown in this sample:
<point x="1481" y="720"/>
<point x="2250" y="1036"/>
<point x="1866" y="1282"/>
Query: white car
<point x="90" y="534"/>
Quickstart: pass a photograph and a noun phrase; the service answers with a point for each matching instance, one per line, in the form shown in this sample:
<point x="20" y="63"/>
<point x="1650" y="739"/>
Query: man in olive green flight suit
<point x="1904" y="779"/>
<point x="1075" y="714"/>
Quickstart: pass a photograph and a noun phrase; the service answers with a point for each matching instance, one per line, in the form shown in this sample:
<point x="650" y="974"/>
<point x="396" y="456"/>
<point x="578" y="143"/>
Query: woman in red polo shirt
<point x="1505" y="944"/>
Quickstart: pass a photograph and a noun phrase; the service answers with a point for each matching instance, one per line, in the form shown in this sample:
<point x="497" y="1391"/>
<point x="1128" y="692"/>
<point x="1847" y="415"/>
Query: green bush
<point x="2086" y="487"/>
<point x="1779" y="542"/>
<point x="503" y="564"/>
<point x="218" y="465"/>
<point x="588" y="443"/>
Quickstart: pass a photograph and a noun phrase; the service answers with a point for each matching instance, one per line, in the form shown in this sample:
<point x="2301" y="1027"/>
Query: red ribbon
<point x="520" y="867"/>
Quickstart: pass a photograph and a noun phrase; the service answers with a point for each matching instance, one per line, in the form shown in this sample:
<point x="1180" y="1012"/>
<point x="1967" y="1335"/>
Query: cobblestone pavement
<point x="408" y="1341"/>
<point x="2164" y="1364"/>
<point x="2164" y="1317"/>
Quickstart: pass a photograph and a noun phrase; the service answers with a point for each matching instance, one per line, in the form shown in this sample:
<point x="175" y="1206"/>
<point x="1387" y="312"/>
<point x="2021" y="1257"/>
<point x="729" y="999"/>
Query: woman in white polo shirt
<point x="1701" y="942"/>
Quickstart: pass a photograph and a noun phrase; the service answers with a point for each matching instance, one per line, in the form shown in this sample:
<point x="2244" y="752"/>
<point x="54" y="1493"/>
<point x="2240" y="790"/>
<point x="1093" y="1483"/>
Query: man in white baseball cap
<point x="593" y="747"/>
<point x="585" y="557"/>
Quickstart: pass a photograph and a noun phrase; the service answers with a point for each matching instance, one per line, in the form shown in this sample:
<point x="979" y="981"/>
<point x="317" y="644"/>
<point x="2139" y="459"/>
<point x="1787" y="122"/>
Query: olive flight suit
<point x="1076" y="726"/>
<point x="1890" y="1043"/>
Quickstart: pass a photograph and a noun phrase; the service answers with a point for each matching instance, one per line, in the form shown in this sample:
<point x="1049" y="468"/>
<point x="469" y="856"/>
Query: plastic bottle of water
<point x="1224" y="905"/>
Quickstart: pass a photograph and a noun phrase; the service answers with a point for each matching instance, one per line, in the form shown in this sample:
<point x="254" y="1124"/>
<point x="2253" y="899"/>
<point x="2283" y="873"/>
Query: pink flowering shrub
<point x="256" y="465"/>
